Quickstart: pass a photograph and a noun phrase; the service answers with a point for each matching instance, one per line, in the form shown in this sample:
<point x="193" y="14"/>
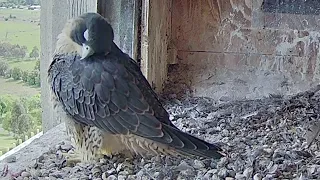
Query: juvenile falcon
<point x="109" y="107"/>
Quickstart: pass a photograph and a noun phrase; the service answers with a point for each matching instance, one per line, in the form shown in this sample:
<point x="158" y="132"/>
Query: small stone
<point x="131" y="177"/>
<point x="11" y="159"/>
<point x="268" y="150"/>
<point x="223" y="162"/>
<point x="257" y="176"/>
<point x="273" y="169"/>
<point x="183" y="166"/>
<point x="66" y="147"/>
<point x="111" y="171"/>
<point x="84" y="177"/>
<point x="122" y="177"/>
<point x="231" y="173"/>
<point x="44" y="172"/>
<point x="57" y="147"/>
<point x="57" y="174"/>
<point x="104" y="176"/>
<point x="35" y="173"/>
<point x="51" y="166"/>
<point x="240" y="176"/>
<point x="229" y="178"/>
<point x="40" y="159"/>
<point x="198" y="164"/>
<point x="96" y="171"/>
<point x="112" y="177"/>
<point x="248" y="172"/>
<point x="223" y="173"/>
<point x="25" y="174"/>
<point x="188" y="172"/>
<point x="104" y="168"/>
<point x="311" y="170"/>
<point x="119" y="167"/>
<point x="158" y="175"/>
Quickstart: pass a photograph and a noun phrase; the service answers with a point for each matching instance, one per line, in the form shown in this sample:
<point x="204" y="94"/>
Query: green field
<point x="21" y="14"/>
<point x="23" y="65"/>
<point x="6" y="141"/>
<point x="23" y="30"/>
<point x="18" y="88"/>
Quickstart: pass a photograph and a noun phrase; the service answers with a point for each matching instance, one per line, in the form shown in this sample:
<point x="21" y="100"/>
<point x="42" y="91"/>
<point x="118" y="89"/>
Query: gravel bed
<point x="264" y="139"/>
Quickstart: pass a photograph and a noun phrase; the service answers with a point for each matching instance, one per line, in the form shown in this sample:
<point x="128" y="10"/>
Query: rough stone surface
<point x="264" y="139"/>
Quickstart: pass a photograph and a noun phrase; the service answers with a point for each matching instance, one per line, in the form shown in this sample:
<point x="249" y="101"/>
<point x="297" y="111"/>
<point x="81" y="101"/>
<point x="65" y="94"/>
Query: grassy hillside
<point x="6" y="141"/>
<point x="24" y="29"/>
<point x="18" y="88"/>
<point x="23" y="65"/>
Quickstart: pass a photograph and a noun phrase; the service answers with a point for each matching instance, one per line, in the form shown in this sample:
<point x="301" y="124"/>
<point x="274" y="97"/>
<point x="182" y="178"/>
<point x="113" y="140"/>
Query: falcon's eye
<point x="86" y="35"/>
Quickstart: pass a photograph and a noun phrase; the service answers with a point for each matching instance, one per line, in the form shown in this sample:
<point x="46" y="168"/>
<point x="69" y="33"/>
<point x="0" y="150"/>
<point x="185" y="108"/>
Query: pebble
<point x="183" y="166"/>
<point x="122" y="177"/>
<point x="223" y="173"/>
<point x="198" y="164"/>
<point x="248" y="172"/>
<point x="11" y="159"/>
<point x="257" y="176"/>
<point x="240" y="176"/>
<point x="25" y="174"/>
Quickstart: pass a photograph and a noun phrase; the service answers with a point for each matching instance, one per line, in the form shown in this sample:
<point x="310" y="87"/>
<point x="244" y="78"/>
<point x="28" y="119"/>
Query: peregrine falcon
<point x="107" y="104"/>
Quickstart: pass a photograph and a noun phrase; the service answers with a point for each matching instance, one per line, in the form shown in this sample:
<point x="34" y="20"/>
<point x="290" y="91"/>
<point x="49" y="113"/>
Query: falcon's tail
<point x="190" y="145"/>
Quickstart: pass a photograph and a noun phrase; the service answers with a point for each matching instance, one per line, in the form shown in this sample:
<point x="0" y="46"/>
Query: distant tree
<point x="33" y="102"/>
<point x="3" y="68"/>
<point x="37" y="66"/>
<point x="8" y="73"/>
<point x="5" y="49"/>
<point x="37" y="116"/>
<point x="25" y="76"/>
<point x="3" y="107"/>
<point x="17" y="110"/>
<point x="25" y="124"/>
<point x="6" y="121"/>
<point x="7" y="100"/>
<point x="16" y="73"/>
<point x="17" y="2"/>
<point x="37" y="78"/>
<point x="34" y="78"/>
<point x="34" y="53"/>
<point x="17" y="51"/>
<point x="30" y="2"/>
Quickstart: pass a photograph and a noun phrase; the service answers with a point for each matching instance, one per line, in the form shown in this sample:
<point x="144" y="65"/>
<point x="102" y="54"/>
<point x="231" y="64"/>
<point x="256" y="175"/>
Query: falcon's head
<point x="87" y="34"/>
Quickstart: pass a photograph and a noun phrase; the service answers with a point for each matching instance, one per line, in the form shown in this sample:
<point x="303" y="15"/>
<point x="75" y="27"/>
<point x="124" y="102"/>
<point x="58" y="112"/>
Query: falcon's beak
<point x="86" y="51"/>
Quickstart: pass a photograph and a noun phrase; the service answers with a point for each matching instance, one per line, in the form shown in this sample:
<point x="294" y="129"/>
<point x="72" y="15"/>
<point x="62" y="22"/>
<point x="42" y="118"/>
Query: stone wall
<point x="245" y="48"/>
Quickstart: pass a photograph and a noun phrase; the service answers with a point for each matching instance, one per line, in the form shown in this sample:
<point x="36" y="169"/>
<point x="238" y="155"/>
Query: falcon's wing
<point x="101" y="91"/>
<point x="150" y="96"/>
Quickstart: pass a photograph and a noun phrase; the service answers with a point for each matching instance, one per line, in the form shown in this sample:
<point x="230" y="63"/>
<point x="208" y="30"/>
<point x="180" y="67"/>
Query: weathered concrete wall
<point x="54" y="14"/>
<point x="232" y="48"/>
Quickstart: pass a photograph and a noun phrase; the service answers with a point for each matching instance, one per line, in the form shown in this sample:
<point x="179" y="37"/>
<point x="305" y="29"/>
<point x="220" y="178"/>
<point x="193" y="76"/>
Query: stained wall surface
<point x="245" y="48"/>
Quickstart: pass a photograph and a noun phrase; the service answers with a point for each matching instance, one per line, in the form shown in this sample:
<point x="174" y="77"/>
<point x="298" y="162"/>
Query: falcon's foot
<point x="109" y="153"/>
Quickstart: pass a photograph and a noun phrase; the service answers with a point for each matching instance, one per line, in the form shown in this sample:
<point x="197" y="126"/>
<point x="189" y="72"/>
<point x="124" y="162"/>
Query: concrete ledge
<point x="23" y="155"/>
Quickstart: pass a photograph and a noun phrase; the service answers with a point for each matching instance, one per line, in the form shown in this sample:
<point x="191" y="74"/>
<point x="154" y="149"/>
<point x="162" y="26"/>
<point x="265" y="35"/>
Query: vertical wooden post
<point x="155" y="34"/>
